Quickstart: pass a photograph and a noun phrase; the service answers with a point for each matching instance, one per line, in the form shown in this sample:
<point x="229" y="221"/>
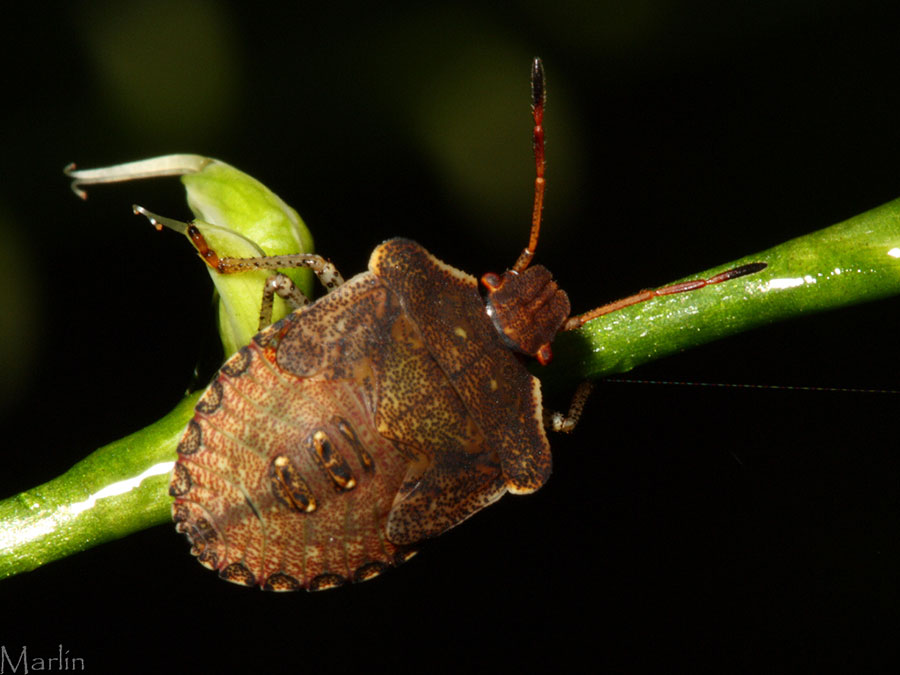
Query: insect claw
<point x="141" y="211"/>
<point x="158" y="221"/>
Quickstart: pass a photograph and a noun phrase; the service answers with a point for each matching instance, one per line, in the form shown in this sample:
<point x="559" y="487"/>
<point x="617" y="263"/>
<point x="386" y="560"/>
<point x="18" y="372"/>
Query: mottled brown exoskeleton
<point x="384" y="413"/>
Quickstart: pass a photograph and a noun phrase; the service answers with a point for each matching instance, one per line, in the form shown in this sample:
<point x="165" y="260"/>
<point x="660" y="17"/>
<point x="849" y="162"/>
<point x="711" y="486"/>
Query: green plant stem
<point x="849" y="263"/>
<point x="119" y="489"/>
<point x="852" y="262"/>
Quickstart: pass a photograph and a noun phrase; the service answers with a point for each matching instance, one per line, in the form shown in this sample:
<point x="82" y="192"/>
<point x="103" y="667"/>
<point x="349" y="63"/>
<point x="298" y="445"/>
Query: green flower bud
<point x="239" y="217"/>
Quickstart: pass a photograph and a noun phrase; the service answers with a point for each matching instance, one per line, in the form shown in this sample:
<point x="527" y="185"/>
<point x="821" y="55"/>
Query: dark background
<point x="684" y="526"/>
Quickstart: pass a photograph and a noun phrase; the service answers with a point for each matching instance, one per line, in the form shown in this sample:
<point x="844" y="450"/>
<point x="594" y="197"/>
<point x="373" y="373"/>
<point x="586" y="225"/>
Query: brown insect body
<point x="385" y="413"/>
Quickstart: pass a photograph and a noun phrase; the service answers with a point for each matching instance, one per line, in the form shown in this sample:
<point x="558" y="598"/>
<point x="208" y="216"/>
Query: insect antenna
<point x="682" y="287"/>
<point x="538" y="97"/>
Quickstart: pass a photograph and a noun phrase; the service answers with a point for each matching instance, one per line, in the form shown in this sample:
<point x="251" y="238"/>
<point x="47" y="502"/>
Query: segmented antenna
<point x="538" y="97"/>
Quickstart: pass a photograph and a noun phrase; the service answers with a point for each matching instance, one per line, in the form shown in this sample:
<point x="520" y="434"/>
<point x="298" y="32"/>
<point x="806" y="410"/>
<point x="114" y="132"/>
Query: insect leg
<point x="324" y="269"/>
<point x="283" y="286"/>
<point x="566" y="423"/>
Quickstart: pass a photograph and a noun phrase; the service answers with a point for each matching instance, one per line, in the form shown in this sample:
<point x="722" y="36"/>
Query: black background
<point x="683" y="526"/>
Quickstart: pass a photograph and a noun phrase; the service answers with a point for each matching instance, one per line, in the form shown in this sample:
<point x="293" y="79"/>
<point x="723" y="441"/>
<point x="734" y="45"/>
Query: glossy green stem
<point x="119" y="489"/>
<point x="852" y="262"/>
<point x="105" y="497"/>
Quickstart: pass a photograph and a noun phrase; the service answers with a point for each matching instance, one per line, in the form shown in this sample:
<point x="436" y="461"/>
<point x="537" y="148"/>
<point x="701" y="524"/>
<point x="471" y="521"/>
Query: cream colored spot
<point x="461" y="332"/>
<point x="494" y="384"/>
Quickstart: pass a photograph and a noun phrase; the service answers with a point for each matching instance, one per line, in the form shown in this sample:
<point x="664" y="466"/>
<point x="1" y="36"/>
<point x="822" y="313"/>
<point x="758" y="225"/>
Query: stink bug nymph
<point x="384" y="413"/>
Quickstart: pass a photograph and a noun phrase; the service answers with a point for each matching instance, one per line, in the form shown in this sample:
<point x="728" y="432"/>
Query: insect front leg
<point x="325" y="271"/>
<point x="276" y="284"/>
<point x="566" y="423"/>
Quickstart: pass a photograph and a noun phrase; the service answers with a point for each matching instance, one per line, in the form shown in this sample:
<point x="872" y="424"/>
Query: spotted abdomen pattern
<point x="282" y="481"/>
<point x="384" y="413"/>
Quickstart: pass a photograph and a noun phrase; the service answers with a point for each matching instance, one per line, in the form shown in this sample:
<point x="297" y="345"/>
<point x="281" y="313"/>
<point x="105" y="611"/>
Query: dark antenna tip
<point x="537" y="82"/>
